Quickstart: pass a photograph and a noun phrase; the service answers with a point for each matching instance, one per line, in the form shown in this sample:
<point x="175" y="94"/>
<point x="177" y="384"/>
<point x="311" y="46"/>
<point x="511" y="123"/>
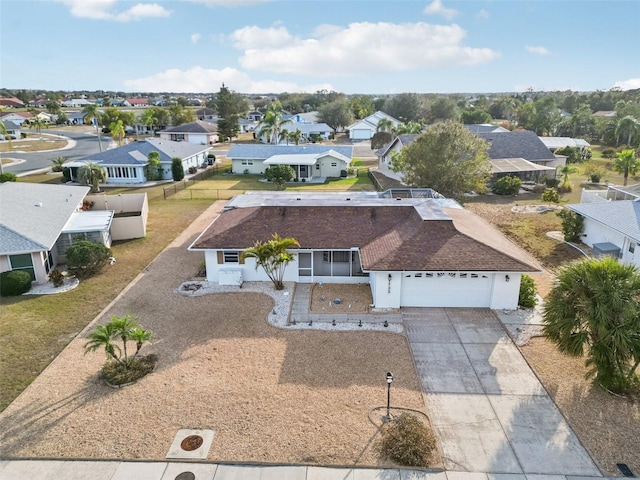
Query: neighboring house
<point x="505" y="153"/>
<point x="198" y="132"/>
<point x="46" y="117"/>
<point x="255" y="116"/>
<point x="11" y="102"/>
<point x="412" y="252"/>
<point x="135" y="102"/>
<point x="16" y="117"/>
<point x="309" y="161"/>
<point x="604" y="113"/>
<point x="76" y="103"/>
<point x="39" y="221"/>
<point x="40" y="102"/>
<point x="207" y="115"/>
<point x="366" y="128"/>
<point x="309" y="131"/>
<point x="612" y="228"/>
<point x="13" y="130"/>
<point x="126" y="164"/>
<point x="553" y="143"/>
<point x="76" y="118"/>
<point x="484" y="128"/>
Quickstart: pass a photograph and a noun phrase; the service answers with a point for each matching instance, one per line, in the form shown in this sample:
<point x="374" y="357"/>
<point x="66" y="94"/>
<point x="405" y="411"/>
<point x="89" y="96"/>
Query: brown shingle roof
<point x="392" y="238"/>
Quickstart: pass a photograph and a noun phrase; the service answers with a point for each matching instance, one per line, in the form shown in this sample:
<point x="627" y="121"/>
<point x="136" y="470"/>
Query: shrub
<point x="14" y="282"/>
<point x="573" y="154"/>
<point x="407" y="441"/>
<point x="66" y="174"/>
<point x="527" y="296"/>
<point x="594" y="172"/>
<point x="551" y="182"/>
<point x="572" y="225"/>
<point x="550" y="195"/>
<point x="507" y="186"/>
<point x="193" y="170"/>
<point x="56" y="277"/>
<point x="609" y="153"/>
<point x="115" y="374"/>
<point x="85" y="258"/>
<point x="177" y="170"/>
<point x="8" y="177"/>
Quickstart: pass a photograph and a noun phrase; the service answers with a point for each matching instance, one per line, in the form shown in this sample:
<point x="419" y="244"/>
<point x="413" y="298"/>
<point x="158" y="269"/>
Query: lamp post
<point x="389" y="381"/>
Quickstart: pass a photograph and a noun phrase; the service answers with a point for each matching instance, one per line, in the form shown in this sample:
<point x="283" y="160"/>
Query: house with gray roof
<point x="312" y="163"/>
<point x="13" y="130"/>
<point x="366" y="128"/>
<point x="611" y="228"/>
<point x="39" y="221"/>
<point x="126" y="164"/>
<point x="412" y="252"/>
<point x="198" y="133"/>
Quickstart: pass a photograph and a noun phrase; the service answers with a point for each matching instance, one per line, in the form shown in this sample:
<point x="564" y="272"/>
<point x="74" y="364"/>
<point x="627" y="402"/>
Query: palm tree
<point x="272" y="123"/>
<point x="102" y="337"/>
<point x="117" y="131"/>
<point x="92" y="174"/>
<point x="38" y="123"/>
<point x="140" y="336"/>
<point x="594" y="309"/>
<point x="627" y="127"/>
<point x="273" y="256"/>
<point x="150" y="119"/>
<point x="122" y="327"/>
<point x="410" y="128"/>
<point x="58" y="164"/>
<point x="92" y="115"/>
<point x="626" y="163"/>
<point x="284" y="135"/>
<point x="566" y="171"/>
<point x="385" y="125"/>
<point x="295" y="136"/>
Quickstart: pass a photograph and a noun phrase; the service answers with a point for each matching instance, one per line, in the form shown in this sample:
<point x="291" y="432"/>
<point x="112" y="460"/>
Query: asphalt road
<point x="86" y="143"/>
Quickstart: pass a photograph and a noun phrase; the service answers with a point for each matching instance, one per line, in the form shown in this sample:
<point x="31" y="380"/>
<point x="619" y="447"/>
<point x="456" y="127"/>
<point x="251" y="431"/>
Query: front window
<point x="23" y="262"/>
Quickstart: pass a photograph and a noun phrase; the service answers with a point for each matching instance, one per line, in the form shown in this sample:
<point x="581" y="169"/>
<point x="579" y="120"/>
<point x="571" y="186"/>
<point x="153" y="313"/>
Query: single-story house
<point x="11" y="102"/>
<point x="308" y="161"/>
<point x="39" y="221"/>
<point x="76" y="118"/>
<point x="13" y="130"/>
<point x="484" y="128"/>
<point x="411" y="252"/>
<point x="126" y="164"/>
<point x="198" y="132"/>
<point x="76" y="103"/>
<point x="366" y="128"/>
<point x="136" y="102"/>
<point x="16" y="117"/>
<point x="611" y="228"/>
<point x="506" y="152"/>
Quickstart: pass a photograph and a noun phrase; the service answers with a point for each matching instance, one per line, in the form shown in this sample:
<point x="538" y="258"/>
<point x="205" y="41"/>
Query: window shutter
<point x="220" y="258"/>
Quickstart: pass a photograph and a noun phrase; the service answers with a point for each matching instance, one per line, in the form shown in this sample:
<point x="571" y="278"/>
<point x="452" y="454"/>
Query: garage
<point x="360" y="134"/>
<point x="443" y="289"/>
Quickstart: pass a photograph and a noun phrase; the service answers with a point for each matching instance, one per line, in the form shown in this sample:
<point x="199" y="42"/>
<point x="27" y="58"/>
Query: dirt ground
<point x="352" y="298"/>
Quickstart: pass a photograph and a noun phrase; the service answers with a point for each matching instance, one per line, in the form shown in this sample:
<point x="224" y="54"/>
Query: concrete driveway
<point x="487" y="407"/>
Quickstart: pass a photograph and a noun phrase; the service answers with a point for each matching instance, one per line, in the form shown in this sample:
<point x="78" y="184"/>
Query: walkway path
<point x="487" y="407"/>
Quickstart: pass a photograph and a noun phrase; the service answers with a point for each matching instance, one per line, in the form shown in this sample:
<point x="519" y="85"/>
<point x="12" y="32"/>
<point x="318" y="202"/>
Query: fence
<point x="187" y="182"/>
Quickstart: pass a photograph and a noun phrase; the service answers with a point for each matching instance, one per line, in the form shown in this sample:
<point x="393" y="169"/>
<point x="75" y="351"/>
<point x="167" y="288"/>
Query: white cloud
<point x="537" y="50"/>
<point x="105" y="10"/>
<point x="195" y="37"/>
<point x="360" y="48"/>
<point x="228" y="3"/>
<point x="249" y="38"/>
<point x="630" y="84"/>
<point x="199" y="79"/>
<point x="483" y="14"/>
<point x="436" y="8"/>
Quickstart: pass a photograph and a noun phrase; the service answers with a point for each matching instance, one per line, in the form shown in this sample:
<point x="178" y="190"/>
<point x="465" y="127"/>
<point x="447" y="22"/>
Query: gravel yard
<point x="270" y="394"/>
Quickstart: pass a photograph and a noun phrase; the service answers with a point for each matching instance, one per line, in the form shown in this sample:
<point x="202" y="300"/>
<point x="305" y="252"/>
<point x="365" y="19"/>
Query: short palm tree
<point x="92" y="115"/>
<point x="92" y="174"/>
<point x="117" y="131"/>
<point x="38" y="124"/>
<point x="58" y="164"/>
<point x="274" y="256"/>
<point x="102" y="337"/>
<point x="295" y="136"/>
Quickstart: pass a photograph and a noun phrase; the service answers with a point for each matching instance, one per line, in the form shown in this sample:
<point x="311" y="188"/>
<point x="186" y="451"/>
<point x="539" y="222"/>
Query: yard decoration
<point x="121" y="367"/>
<point x="273" y="256"/>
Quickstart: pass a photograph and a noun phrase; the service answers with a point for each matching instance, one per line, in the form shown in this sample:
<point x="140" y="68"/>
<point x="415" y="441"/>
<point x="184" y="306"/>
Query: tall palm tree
<point x="273" y="256"/>
<point x="117" y="131"/>
<point x="627" y="127"/>
<point x="626" y="163"/>
<point x="92" y="115"/>
<point x="272" y="123"/>
<point x="150" y="119"/>
<point x="92" y="174"/>
<point x="594" y="309"/>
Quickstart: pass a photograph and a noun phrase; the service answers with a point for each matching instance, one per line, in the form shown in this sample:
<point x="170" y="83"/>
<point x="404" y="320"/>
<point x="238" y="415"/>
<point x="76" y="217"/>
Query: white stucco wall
<point x="257" y="168"/>
<point x="504" y="295"/>
<point x="597" y="233"/>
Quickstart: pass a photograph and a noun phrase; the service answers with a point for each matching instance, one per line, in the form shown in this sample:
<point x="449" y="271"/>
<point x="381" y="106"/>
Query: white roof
<point x="510" y="165"/>
<point x="308" y="159"/>
<point x="561" y="142"/>
<point x="92" y="221"/>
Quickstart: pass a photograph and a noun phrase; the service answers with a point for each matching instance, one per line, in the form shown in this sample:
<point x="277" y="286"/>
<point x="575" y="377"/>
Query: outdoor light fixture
<point x="506" y="278"/>
<point x="389" y="287"/>
<point x="389" y="381"/>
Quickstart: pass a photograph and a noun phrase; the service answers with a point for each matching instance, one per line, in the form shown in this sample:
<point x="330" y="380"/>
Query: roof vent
<point x="399" y="198"/>
<point x="298" y="198"/>
<point x="348" y="199"/>
<point x="39" y="204"/>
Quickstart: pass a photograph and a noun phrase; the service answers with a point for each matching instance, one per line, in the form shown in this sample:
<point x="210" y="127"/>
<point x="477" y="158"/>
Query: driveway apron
<point x="488" y="409"/>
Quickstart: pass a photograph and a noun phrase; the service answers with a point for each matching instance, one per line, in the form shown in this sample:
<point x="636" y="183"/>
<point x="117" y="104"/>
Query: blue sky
<point x="350" y="46"/>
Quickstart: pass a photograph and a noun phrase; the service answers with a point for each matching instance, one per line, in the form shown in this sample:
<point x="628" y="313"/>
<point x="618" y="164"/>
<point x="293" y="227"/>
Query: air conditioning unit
<point x="230" y="277"/>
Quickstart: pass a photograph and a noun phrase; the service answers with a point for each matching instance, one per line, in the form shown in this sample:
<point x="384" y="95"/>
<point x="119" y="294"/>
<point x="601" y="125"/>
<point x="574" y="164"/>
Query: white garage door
<point x="444" y="289"/>
<point x="361" y="134"/>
